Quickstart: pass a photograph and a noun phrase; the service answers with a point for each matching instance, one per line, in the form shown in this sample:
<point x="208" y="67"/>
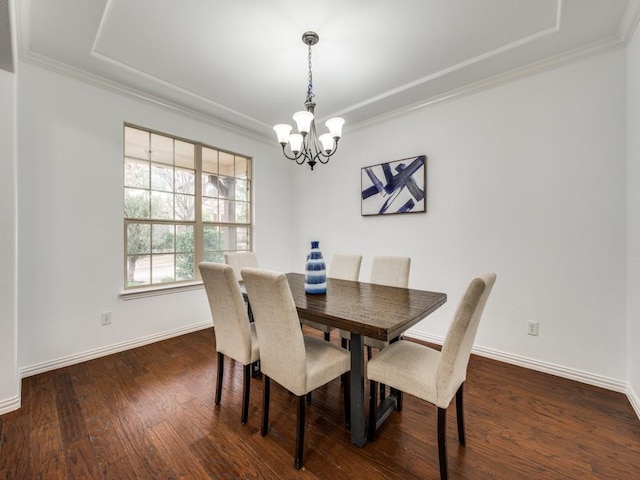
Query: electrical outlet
<point x="532" y="328"/>
<point x="106" y="318"/>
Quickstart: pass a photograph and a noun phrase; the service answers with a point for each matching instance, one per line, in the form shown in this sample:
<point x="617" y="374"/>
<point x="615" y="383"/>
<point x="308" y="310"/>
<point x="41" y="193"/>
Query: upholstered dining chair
<point x="235" y="336"/>
<point x="385" y="270"/>
<point x="342" y="267"/>
<point x="305" y="363"/>
<point x="239" y="260"/>
<point x="432" y="375"/>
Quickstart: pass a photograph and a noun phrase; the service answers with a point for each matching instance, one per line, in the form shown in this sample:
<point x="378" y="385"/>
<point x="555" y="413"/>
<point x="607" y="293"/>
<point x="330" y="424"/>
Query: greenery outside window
<point x="184" y="203"/>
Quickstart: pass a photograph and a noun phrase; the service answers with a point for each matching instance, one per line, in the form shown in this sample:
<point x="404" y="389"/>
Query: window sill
<point x="143" y="292"/>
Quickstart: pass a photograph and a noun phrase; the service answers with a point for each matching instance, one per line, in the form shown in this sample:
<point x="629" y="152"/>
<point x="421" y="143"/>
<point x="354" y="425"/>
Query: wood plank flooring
<point x="149" y="413"/>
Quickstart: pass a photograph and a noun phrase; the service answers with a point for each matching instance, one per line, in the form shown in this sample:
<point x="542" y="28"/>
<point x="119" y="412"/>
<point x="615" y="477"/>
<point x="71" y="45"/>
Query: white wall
<point x="526" y="179"/>
<point x="70" y="198"/>
<point x="9" y="381"/>
<point x="633" y="154"/>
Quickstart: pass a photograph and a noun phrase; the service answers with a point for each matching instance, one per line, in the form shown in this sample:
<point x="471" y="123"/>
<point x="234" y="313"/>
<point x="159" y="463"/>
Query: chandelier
<point x="306" y="145"/>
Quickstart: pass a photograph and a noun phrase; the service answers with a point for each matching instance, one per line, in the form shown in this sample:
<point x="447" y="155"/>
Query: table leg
<point x="358" y="423"/>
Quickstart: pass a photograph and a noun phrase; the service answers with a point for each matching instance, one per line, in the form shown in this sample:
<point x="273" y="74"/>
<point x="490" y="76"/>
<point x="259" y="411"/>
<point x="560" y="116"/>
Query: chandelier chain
<point x="310" y="93"/>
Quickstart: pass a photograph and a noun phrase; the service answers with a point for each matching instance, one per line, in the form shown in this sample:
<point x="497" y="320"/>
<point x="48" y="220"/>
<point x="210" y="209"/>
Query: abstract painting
<point x="395" y="187"/>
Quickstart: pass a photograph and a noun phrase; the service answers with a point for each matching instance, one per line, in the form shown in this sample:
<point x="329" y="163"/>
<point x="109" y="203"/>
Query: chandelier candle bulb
<point x="303" y="121"/>
<point x="295" y="142"/>
<point x="306" y="145"/>
<point x="335" y="126"/>
<point x="327" y="142"/>
<point x="282" y="131"/>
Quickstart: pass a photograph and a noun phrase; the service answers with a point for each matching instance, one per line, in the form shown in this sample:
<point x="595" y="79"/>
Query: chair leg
<point x="308" y="397"/>
<point x="442" y="442"/>
<point x="246" y="388"/>
<point x="265" y="405"/>
<point x="300" y="433"/>
<point x="327" y="336"/>
<point x="373" y="410"/>
<point x="219" y="378"/>
<point x="460" y="415"/>
<point x="399" y="396"/>
<point x="346" y="389"/>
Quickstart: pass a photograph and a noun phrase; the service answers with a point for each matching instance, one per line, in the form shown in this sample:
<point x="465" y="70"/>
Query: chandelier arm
<point x="295" y="158"/>
<point x="321" y="154"/>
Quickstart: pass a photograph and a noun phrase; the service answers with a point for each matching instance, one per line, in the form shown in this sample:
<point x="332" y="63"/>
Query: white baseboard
<point x="104" y="351"/>
<point x="9" y="404"/>
<point x="538" y="365"/>
<point x="634" y="399"/>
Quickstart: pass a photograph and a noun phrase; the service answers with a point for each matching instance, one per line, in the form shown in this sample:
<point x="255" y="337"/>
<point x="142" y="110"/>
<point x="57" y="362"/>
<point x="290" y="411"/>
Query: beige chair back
<point x="456" y="349"/>
<point x="282" y="350"/>
<point x="345" y="267"/>
<point x="229" y="312"/>
<point x="239" y="260"/>
<point x="392" y="271"/>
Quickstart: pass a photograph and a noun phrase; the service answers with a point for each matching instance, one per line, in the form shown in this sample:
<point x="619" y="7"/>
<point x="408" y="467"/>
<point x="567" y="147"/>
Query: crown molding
<point x="558" y="61"/>
<point x="629" y="22"/>
<point x="120" y="89"/>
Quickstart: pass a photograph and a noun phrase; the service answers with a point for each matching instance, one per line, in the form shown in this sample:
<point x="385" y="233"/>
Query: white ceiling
<point x="243" y="62"/>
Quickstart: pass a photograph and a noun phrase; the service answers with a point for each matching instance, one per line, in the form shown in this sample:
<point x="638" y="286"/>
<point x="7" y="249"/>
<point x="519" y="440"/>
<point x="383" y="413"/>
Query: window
<point x="184" y="203"/>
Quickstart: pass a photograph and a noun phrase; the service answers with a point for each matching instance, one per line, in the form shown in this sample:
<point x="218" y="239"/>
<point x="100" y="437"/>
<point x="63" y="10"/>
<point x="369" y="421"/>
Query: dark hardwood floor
<point x="149" y="413"/>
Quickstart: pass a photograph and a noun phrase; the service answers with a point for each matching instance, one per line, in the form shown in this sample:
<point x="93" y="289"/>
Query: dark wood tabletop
<point x="365" y="310"/>
<point x="376" y="311"/>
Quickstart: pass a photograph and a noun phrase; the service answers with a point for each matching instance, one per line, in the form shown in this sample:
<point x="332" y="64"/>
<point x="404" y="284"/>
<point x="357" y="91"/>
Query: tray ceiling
<point x="243" y="62"/>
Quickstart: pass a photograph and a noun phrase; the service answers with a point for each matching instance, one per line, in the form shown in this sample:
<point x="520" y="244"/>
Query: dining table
<point x="365" y="310"/>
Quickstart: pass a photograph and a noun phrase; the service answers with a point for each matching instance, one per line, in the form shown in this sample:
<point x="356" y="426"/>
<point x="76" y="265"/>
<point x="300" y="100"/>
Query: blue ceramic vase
<point x="315" y="279"/>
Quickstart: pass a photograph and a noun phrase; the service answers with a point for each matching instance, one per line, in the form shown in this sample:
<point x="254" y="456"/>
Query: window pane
<point x="210" y="210"/>
<point x="185" y="154"/>
<point x="185" y="207"/>
<point x="161" y="149"/>
<point x="242" y="190"/>
<point x="212" y="239"/>
<point x="138" y="271"/>
<point x="217" y="257"/>
<point x="185" y="267"/>
<point x="223" y="211"/>
<point x="162" y="268"/>
<point x="209" y="160"/>
<point x="136" y="143"/>
<point x="242" y="238"/>
<point x="162" y="205"/>
<point x="242" y="167"/>
<point x="185" y="181"/>
<point x="184" y="239"/>
<point x="234" y="238"/>
<point x="223" y="187"/>
<point x="136" y="173"/>
<point x="163" y="238"/>
<point x="226" y="164"/>
<point x="208" y="188"/>
<point x="136" y="203"/>
<point x="161" y="178"/>
<point x="138" y="239"/>
<point x="242" y="212"/>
